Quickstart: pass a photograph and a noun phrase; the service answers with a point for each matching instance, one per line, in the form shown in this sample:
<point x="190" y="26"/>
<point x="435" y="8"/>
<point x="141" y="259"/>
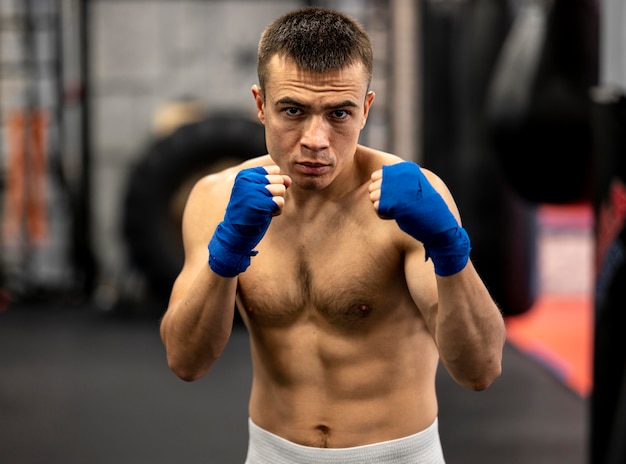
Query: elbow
<point x="187" y="364"/>
<point x="186" y="372"/>
<point x="483" y="383"/>
<point x="478" y="378"/>
<point x="485" y="378"/>
<point x="481" y="372"/>
<point x="186" y="375"/>
<point x="191" y="365"/>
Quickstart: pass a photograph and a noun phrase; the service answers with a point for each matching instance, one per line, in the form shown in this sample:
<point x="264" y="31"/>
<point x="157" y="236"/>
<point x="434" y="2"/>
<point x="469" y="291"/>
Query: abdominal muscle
<point x="320" y="387"/>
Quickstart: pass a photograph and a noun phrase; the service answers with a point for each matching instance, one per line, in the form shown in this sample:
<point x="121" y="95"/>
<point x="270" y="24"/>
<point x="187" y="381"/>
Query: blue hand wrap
<point x="419" y="210"/>
<point x="248" y="215"/>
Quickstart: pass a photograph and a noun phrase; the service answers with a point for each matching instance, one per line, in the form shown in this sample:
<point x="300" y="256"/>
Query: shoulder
<point x="371" y="160"/>
<point x="205" y="207"/>
<point x="209" y="196"/>
<point x="219" y="184"/>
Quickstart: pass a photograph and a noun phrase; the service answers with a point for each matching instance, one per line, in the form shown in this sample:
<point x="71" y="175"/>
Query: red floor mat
<point x="558" y="332"/>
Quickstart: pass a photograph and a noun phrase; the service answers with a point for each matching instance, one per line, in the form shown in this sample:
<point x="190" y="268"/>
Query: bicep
<point x="422" y="284"/>
<point x="203" y="212"/>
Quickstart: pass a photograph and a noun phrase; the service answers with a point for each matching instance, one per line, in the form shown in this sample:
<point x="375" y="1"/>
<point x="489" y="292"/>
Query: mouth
<point x="312" y="168"/>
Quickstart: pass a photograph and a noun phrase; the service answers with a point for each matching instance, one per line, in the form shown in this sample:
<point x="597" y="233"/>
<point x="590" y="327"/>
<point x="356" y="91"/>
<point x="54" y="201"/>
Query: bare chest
<point x="343" y="272"/>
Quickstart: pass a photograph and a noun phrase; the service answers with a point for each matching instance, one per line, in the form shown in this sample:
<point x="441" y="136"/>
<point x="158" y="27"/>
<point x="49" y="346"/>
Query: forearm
<point x="470" y="331"/>
<point x="466" y="324"/>
<point x="198" y="324"/>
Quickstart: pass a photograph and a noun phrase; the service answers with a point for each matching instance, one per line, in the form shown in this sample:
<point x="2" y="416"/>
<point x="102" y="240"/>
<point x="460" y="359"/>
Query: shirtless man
<point x="348" y="265"/>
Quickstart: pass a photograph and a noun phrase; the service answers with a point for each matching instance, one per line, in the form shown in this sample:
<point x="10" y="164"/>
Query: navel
<point x="324" y="434"/>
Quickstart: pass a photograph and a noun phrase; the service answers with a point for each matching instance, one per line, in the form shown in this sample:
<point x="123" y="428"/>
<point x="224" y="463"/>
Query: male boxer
<point x="349" y="267"/>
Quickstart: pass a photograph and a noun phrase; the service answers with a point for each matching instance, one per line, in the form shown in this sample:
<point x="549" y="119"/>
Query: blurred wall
<point x="144" y="53"/>
<point x="613" y="42"/>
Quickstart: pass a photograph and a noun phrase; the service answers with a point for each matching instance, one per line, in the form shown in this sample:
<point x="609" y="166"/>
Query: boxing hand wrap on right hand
<point x="248" y="215"/>
<point x="419" y="210"/>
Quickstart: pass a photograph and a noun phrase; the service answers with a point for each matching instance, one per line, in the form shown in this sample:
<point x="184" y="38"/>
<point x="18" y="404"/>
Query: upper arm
<point x="203" y="212"/>
<point x="422" y="284"/>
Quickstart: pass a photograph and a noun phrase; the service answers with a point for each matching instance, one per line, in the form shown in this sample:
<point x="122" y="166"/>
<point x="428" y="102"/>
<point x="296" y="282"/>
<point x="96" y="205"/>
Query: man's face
<point x="312" y="120"/>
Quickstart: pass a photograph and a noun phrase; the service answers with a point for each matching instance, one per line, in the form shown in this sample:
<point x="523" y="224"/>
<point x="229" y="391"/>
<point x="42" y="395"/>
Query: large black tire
<point x="160" y="182"/>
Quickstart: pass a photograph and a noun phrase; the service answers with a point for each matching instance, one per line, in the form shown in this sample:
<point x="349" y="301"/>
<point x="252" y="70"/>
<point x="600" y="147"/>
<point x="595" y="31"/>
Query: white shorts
<point x="422" y="448"/>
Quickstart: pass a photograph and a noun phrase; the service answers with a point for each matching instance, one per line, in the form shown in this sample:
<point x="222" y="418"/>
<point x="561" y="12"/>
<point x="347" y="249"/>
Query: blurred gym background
<point x="110" y="110"/>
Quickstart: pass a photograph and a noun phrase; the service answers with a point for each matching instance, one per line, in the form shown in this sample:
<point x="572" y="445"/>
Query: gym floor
<point x="77" y="386"/>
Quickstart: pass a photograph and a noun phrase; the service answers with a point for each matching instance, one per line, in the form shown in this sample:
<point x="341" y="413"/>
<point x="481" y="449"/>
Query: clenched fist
<point x="258" y="194"/>
<point x="402" y="192"/>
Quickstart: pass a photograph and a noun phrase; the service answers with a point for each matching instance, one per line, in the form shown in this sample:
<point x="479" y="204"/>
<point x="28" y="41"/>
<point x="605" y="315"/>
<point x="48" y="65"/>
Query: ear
<point x="369" y="99"/>
<point x="260" y="102"/>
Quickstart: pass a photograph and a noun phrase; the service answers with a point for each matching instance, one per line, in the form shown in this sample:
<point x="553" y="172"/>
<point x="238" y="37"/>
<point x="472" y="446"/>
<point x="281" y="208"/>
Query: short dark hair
<point x="316" y="39"/>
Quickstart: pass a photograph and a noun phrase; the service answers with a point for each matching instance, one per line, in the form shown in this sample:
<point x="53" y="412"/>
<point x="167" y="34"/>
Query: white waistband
<point x="421" y="448"/>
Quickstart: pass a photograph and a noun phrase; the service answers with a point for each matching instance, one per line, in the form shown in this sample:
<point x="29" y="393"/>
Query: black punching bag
<point x="538" y="106"/>
<point x="608" y="400"/>
<point x="461" y="42"/>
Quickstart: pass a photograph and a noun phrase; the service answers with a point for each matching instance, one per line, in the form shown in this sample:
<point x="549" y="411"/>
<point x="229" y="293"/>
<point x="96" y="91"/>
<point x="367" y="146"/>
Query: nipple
<point x="364" y="309"/>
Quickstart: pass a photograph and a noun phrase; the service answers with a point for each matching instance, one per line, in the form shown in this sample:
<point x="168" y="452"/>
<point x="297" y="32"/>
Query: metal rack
<point x="35" y="201"/>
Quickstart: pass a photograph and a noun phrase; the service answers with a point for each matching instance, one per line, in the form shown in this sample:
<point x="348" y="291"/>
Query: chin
<point x="311" y="183"/>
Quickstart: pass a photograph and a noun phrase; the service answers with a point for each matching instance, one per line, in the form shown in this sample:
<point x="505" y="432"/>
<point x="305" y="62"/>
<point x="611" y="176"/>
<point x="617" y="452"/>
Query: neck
<point x="309" y="203"/>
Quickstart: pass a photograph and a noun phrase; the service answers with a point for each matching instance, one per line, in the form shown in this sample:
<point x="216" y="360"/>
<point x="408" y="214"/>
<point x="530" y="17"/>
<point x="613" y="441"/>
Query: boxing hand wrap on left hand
<point x="419" y="210"/>
<point x="248" y="215"/>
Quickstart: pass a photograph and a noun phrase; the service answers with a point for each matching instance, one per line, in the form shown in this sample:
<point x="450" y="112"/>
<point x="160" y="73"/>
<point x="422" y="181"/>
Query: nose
<point x="315" y="135"/>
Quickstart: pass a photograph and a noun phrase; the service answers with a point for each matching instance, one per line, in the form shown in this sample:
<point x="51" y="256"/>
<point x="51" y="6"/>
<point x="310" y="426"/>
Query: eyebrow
<point x="291" y="101"/>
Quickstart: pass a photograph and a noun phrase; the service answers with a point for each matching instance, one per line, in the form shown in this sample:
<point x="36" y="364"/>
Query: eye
<point x="292" y="111"/>
<point x="340" y="114"/>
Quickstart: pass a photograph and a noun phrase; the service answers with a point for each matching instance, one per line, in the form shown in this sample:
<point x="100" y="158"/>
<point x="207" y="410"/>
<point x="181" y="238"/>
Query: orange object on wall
<point x="25" y="212"/>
